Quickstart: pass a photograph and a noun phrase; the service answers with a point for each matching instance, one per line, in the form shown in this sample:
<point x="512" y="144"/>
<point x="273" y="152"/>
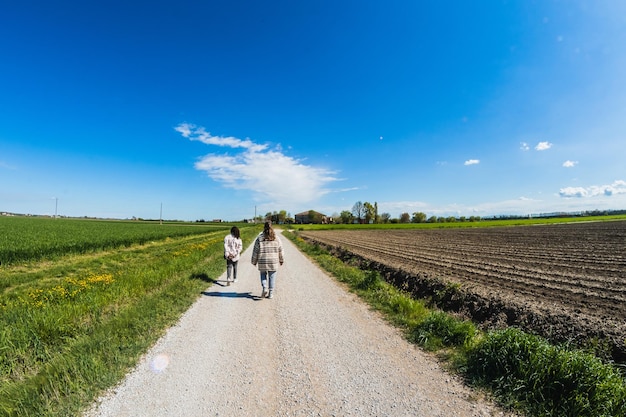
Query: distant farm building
<point x="312" y="216"/>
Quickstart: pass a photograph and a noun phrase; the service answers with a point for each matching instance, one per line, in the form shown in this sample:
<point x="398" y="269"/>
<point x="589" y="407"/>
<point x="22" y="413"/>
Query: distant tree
<point x="405" y="218"/>
<point x="462" y="219"/>
<point x="474" y="218"/>
<point x="272" y="217"/>
<point x="358" y="210"/>
<point x="450" y="219"/>
<point x="418" y="217"/>
<point x="441" y="219"/>
<point x="369" y="212"/>
<point x="376" y="217"/>
<point x="346" y="217"/>
<point x="385" y="217"/>
<point x="315" y="217"/>
<point x="432" y="219"/>
<point x="282" y="216"/>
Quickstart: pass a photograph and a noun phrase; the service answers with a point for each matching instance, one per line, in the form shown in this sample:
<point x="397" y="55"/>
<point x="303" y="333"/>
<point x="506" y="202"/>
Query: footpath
<point x="312" y="350"/>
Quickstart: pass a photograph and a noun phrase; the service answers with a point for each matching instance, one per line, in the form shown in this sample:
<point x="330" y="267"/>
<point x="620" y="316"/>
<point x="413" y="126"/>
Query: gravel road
<point x="313" y="350"/>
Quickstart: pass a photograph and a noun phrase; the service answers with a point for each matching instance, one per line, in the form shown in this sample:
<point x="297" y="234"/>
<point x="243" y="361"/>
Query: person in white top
<point x="232" y="251"/>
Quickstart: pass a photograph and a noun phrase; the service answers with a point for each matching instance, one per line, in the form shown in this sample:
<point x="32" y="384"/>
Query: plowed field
<point x="566" y="282"/>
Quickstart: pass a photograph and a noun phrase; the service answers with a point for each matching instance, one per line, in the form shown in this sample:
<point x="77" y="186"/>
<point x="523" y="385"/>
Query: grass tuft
<point x="439" y="330"/>
<point x="549" y="380"/>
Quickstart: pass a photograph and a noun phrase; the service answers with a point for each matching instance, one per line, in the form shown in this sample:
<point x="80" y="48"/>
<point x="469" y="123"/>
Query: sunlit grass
<point x="30" y="238"/>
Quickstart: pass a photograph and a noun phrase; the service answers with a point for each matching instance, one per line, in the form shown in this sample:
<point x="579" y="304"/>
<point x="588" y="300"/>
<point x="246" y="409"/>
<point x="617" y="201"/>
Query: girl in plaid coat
<point x="267" y="255"/>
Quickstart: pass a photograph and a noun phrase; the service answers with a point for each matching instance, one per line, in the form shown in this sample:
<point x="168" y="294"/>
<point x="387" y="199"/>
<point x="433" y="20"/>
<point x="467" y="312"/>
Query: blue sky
<point x="223" y="109"/>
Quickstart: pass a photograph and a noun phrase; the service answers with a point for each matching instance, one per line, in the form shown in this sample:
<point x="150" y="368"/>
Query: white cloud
<point x="570" y="164"/>
<point x="472" y="162"/>
<point x="542" y="146"/>
<point x="192" y="132"/>
<point x="184" y="129"/>
<point x="618" y="187"/>
<point x="569" y="192"/>
<point x="524" y="146"/>
<point x="269" y="174"/>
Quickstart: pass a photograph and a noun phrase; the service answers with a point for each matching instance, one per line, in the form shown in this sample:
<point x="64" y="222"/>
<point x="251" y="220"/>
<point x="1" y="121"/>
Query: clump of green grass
<point x="439" y="330"/>
<point x="523" y="371"/>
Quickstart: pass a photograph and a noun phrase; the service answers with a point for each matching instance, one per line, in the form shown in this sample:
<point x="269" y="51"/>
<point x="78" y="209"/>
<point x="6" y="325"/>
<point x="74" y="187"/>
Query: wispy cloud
<point x="524" y="146"/>
<point x="618" y="187"/>
<point x="269" y="174"/>
<point x="542" y="146"/>
<point x="570" y="164"/>
<point x="472" y="162"/>
<point x="192" y="132"/>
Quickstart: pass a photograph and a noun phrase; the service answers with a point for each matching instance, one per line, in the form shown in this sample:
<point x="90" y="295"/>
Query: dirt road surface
<point x="313" y="350"/>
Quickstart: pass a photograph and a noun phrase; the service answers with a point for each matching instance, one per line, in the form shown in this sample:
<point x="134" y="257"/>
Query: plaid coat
<point x="267" y="254"/>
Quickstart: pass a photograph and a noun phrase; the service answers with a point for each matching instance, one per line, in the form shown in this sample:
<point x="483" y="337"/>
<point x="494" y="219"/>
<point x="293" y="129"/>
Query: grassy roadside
<point x="523" y="371"/>
<point x="72" y="328"/>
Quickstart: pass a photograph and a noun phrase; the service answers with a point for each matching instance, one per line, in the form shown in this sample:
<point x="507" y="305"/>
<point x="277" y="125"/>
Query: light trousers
<point x="268" y="276"/>
<point x="231" y="269"/>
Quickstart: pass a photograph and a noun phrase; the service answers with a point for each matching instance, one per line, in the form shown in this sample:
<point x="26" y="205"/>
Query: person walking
<point x="232" y="252"/>
<point x="268" y="255"/>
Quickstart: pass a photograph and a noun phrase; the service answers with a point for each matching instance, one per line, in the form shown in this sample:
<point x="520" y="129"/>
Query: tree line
<point x="366" y="213"/>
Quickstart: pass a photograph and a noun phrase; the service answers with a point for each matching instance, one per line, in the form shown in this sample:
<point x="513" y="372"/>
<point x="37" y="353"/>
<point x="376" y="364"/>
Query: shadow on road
<point x="231" y="295"/>
<point x="201" y="276"/>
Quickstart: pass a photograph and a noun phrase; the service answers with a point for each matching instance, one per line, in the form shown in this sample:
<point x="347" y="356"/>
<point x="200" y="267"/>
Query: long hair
<point x="235" y="232"/>
<point x="268" y="232"/>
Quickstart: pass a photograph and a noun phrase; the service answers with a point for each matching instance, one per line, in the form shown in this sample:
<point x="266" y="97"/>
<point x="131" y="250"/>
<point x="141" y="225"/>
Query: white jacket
<point x="232" y="247"/>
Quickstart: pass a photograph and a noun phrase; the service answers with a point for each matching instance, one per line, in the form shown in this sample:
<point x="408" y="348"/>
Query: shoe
<point x="264" y="292"/>
<point x="235" y="280"/>
<point x="271" y="294"/>
<point x="228" y="283"/>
